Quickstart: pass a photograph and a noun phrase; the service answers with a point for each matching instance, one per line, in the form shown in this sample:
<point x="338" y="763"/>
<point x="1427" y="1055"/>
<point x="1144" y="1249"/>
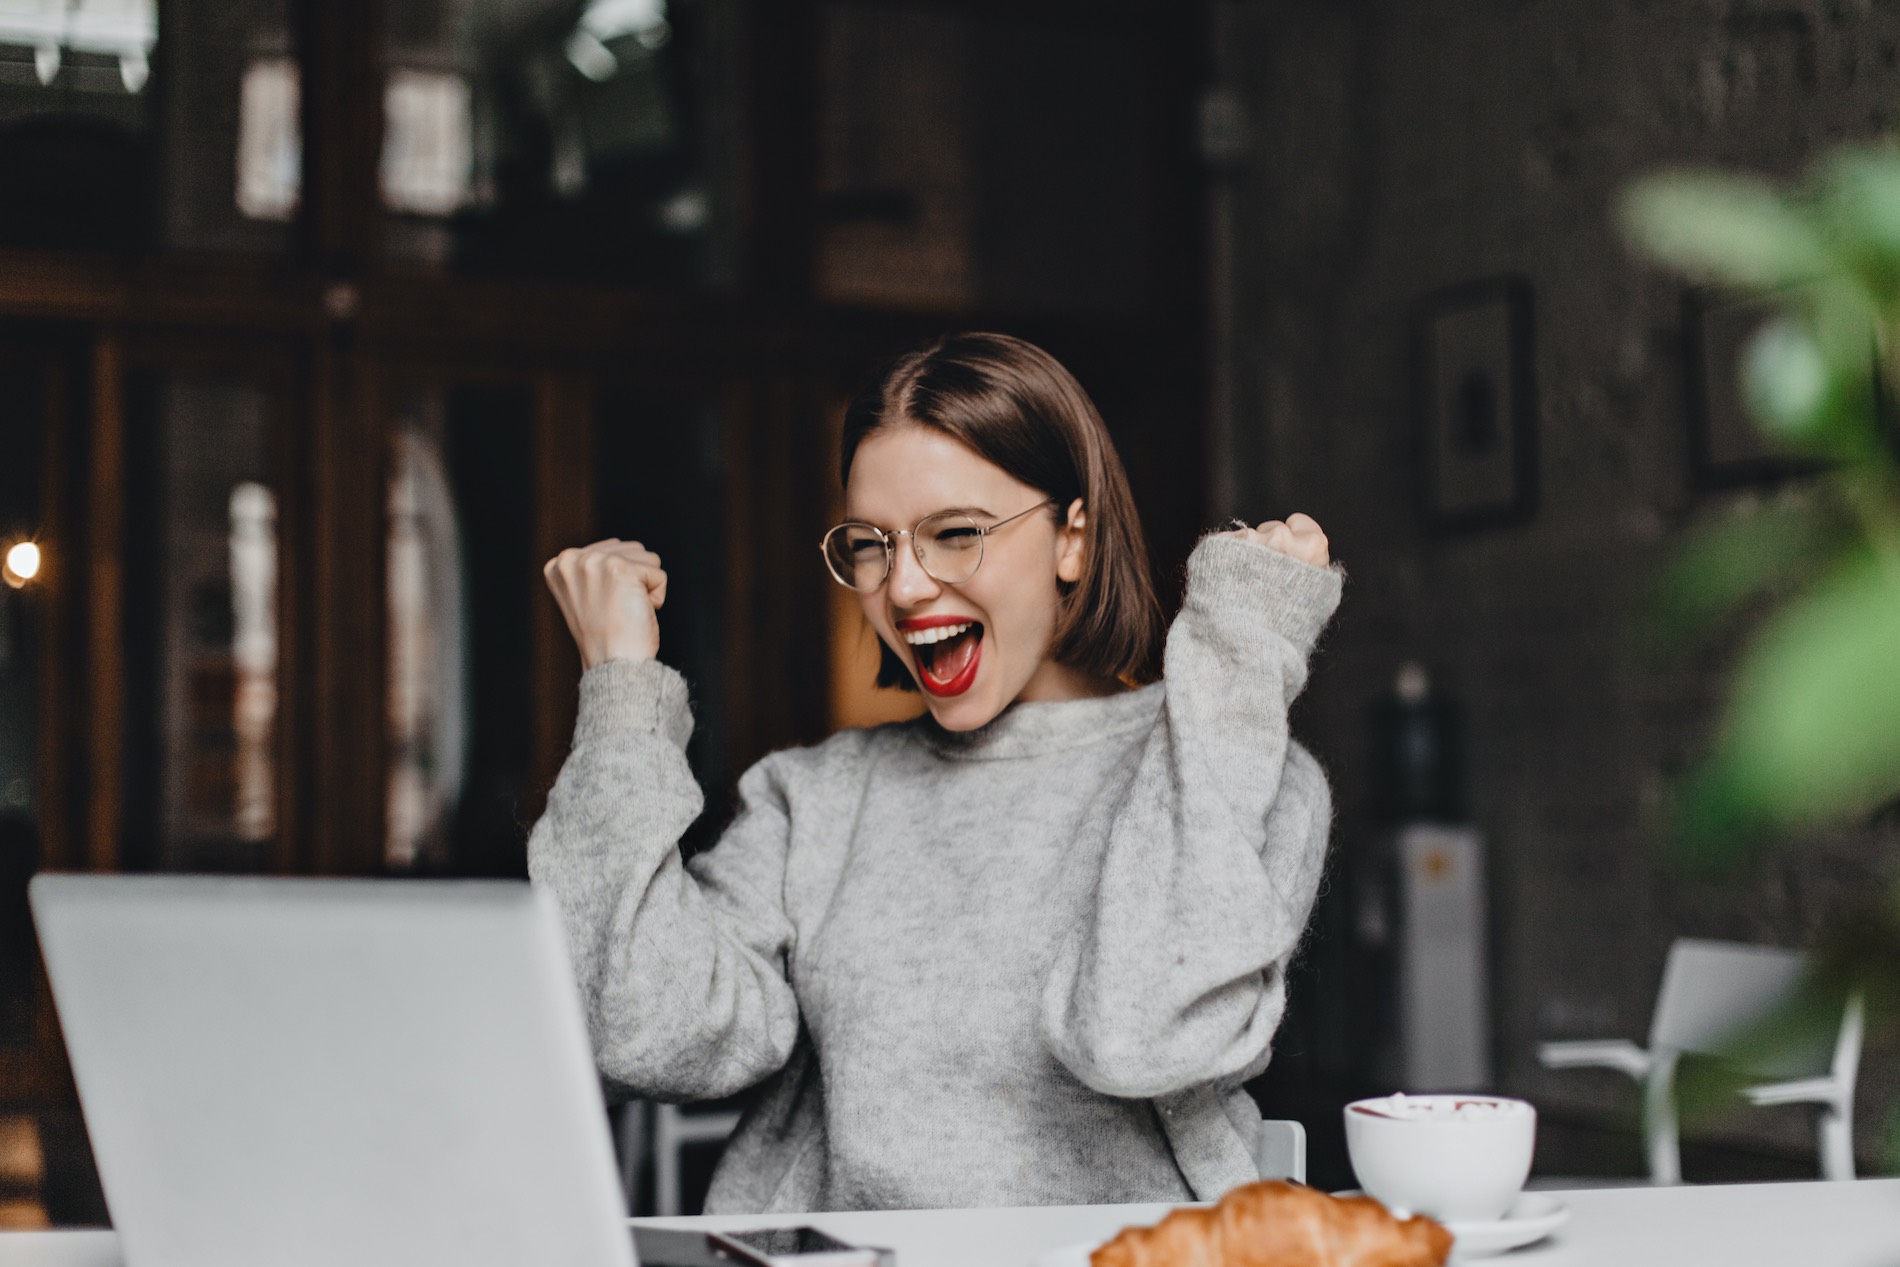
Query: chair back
<point x="1280" y="1150"/>
<point x="1711" y="989"/>
<point x="1846" y="1063"/>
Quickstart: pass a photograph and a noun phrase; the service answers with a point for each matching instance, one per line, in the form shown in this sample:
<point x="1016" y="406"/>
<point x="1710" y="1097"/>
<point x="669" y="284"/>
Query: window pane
<point x="461" y="576"/>
<point x="937" y="124"/>
<point x="232" y="139"/>
<point x="202" y="588"/>
<point x="76" y="121"/>
<point x="586" y="148"/>
<point x="129" y="124"/>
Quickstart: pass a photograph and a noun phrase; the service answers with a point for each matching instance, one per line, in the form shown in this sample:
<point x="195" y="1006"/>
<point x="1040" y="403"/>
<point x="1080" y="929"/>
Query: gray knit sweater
<point x="1029" y="964"/>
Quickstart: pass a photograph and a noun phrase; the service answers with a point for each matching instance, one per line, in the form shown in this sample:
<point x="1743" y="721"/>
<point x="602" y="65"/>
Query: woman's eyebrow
<point x="972" y="511"/>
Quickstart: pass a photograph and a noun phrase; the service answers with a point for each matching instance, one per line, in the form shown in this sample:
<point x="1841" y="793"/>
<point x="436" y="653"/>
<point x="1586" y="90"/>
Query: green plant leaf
<point x="1787" y="382"/>
<point x="1858" y="196"/>
<point x="1725" y="228"/>
<point x="1812" y="734"/>
<point x="1812" y="395"/>
<point x="1795" y="1038"/>
<point x="1730" y="561"/>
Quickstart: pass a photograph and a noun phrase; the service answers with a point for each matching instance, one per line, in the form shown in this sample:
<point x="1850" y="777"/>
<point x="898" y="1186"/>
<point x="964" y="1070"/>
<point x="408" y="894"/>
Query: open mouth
<point x="947" y="657"/>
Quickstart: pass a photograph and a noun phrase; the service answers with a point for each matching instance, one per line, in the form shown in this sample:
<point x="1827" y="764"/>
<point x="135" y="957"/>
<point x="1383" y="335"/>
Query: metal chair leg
<point x="1660" y="1130"/>
<point x="1837" y="1142"/>
<point x="634" y="1116"/>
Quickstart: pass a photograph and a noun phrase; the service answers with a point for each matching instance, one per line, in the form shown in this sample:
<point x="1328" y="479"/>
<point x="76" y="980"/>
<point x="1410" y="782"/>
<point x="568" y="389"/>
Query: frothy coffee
<point x="1438" y="1108"/>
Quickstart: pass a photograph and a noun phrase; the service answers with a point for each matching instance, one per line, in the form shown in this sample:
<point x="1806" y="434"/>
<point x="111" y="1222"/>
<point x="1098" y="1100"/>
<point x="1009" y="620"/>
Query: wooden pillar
<point x="564" y="515"/>
<point x="348" y="651"/>
<point x="105" y="606"/>
<point x="291" y="459"/>
<point x="340" y="48"/>
<point x="57" y="590"/>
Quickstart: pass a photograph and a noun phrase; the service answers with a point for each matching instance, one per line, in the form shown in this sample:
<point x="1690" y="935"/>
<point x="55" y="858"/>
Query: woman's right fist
<point x="608" y="593"/>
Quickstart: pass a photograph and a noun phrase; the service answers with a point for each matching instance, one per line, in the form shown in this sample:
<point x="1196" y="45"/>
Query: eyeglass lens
<point x="948" y="545"/>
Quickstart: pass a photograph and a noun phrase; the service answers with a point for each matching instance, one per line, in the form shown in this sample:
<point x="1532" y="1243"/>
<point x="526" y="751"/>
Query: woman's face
<point x="1003" y="618"/>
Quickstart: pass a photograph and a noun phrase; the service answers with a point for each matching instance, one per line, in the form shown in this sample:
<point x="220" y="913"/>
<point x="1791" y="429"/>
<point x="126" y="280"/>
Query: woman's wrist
<point x="643" y="696"/>
<point x="1230" y="578"/>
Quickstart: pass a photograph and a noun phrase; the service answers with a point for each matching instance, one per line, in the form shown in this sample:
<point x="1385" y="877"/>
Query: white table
<point x="1743" y="1225"/>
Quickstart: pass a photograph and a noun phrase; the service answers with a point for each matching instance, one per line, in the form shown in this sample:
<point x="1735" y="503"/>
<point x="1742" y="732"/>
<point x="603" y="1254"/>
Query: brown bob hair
<point x="1015" y="406"/>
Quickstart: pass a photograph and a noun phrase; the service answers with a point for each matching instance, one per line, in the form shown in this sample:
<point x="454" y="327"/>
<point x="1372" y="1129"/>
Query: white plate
<point x="1532" y="1217"/>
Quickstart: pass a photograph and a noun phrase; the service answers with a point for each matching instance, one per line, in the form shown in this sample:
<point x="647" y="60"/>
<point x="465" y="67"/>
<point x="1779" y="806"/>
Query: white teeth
<point x="924" y="637"/>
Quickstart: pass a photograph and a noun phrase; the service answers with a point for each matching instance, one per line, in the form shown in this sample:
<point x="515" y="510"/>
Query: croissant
<point x="1278" y="1224"/>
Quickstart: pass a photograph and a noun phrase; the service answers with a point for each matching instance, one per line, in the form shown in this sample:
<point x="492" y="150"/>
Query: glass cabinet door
<point x="460" y="575"/>
<point x="204" y="608"/>
<point x="592" y="141"/>
<point x="484" y="486"/>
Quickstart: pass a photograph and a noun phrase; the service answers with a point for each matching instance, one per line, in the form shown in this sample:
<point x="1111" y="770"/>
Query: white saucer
<point x="1532" y="1217"/>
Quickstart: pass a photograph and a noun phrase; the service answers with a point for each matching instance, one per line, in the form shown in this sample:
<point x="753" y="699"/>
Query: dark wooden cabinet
<point x="294" y="478"/>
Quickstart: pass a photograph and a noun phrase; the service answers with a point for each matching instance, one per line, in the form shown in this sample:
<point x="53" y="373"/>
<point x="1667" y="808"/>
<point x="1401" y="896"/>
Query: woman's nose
<point x="909" y="583"/>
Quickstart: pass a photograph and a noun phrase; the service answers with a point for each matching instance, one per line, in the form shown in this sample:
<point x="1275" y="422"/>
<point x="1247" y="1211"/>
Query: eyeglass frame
<point x="890" y="548"/>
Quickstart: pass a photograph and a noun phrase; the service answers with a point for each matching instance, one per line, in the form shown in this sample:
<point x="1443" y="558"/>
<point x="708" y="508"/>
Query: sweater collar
<point x="1035" y="729"/>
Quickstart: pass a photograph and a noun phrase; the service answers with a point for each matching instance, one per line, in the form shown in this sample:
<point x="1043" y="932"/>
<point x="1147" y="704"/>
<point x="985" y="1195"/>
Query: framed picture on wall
<point x="1726" y="448"/>
<point x="1475" y="404"/>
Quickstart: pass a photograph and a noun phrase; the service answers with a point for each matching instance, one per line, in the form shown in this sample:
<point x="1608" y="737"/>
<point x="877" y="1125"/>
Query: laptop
<point x="333" y="1071"/>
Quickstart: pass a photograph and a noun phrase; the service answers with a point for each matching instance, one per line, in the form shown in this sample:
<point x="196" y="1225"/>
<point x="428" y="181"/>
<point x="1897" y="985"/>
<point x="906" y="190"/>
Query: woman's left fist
<point x="1297" y="535"/>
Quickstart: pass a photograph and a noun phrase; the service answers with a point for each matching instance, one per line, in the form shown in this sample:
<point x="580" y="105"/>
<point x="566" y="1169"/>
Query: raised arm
<point x="682" y="972"/>
<point x="1215" y="846"/>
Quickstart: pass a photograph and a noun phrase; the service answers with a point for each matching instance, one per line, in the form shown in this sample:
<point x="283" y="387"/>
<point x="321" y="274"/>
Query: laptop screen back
<point x="332" y="1071"/>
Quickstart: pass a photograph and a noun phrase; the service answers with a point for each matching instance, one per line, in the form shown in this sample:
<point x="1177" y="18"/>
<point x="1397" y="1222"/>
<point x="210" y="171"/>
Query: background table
<point x="1744" y="1225"/>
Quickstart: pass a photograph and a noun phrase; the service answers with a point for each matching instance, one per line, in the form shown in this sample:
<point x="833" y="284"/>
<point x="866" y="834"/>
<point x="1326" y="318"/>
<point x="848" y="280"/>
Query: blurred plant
<point x="1810" y="739"/>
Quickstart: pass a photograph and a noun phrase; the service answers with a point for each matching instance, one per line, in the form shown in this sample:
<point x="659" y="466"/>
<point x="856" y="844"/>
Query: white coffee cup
<point x="1458" y="1158"/>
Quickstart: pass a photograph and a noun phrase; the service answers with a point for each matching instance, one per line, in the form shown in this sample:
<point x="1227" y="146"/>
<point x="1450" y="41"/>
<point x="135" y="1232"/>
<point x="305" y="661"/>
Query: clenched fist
<point x="1298" y="536"/>
<point x="609" y="592"/>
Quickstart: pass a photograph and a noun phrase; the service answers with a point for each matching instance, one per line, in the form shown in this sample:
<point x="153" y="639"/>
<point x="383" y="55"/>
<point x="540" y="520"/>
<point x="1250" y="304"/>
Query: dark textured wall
<point x="1392" y="148"/>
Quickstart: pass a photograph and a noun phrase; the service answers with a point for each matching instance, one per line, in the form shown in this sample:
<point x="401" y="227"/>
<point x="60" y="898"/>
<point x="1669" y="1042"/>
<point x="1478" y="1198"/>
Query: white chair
<point x="1280" y="1150"/>
<point x="673" y="1131"/>
<point x="1710" y="989"/>
<point x="664" y="1132"/>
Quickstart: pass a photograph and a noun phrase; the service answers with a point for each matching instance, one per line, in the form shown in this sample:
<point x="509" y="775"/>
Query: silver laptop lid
<point x="332" y="1071"/>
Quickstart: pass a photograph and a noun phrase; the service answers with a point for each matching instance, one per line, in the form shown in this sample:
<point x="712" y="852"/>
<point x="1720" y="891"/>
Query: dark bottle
<point x="1419" y="752"/>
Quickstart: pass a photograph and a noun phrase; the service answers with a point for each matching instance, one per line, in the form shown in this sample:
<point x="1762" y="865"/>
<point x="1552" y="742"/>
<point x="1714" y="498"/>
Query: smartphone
<point x="804" y="1247"/>
<point x="673" y="1247"/>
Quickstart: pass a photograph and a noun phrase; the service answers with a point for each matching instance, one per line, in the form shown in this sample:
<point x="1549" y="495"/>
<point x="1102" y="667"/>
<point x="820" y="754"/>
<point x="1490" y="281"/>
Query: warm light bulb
<point x="22" y="563"/>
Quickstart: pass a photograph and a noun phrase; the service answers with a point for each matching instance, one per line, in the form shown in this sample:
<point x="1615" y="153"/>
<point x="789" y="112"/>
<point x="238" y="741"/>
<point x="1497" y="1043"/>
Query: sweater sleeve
<point x="682" y="972"/>
<point x="1175" y="978"/>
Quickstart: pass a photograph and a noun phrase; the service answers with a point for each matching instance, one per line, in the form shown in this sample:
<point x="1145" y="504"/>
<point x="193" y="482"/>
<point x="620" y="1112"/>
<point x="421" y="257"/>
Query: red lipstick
<point x="965" y="676"/>
<point x="933" y="622"/>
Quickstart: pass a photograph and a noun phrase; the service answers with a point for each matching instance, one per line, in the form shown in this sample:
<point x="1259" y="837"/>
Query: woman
<point x="1023" y="950"/>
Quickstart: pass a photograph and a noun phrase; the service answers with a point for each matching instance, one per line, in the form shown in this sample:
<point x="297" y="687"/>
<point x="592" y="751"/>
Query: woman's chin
<point x="967" y="710"/>
<point x="958" y="716"/>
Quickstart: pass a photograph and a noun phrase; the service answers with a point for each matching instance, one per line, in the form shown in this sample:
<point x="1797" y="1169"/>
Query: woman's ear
<point x="1072" y="544"/>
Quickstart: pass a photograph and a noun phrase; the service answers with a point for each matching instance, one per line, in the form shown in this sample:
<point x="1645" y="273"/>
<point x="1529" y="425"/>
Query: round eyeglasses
<point x="948" y="545"/>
